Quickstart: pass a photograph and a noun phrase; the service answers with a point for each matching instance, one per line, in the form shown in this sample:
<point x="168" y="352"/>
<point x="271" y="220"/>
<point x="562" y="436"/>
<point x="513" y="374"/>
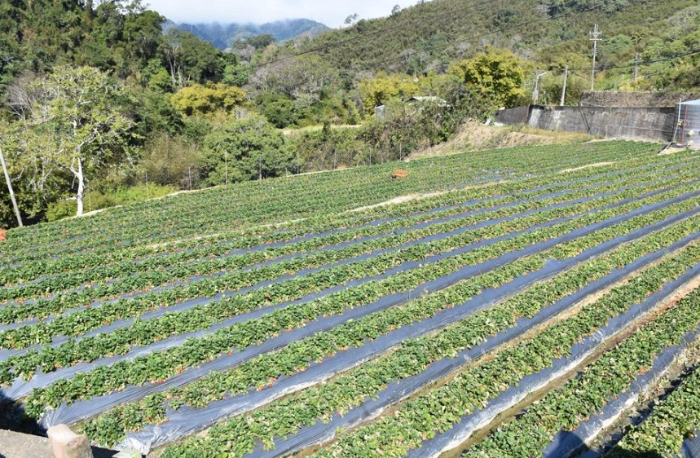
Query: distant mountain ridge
<point x="224" y="35"/>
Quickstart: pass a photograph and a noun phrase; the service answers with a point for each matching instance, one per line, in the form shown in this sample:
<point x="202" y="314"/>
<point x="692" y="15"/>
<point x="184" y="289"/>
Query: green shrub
<point x="98" y="200"/>
<point x="61" y="209"/>
<point x="138" y="193"/>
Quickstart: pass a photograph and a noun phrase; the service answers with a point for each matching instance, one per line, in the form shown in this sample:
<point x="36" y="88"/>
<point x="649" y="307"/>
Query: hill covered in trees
<point x="169" y="110"/>
<point x="549" y="34"/>
<point x="223" y="36"/>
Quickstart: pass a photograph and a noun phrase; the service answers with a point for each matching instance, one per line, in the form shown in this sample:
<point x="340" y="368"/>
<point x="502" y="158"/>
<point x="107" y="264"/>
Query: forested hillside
<point x="223" y="36"/>
<point x="168" y="110"/>
<point x="432" y="34"/>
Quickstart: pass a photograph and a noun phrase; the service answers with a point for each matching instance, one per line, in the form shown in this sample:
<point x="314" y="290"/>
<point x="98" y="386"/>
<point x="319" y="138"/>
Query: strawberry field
<point x="536" y="301"/>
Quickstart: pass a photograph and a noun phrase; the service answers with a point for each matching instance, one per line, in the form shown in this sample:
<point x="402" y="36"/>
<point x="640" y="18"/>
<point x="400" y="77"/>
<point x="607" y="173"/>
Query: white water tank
<point x="688" y="127"/>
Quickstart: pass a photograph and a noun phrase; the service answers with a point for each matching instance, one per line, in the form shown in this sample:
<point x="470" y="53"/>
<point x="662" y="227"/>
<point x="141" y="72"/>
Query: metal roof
<point x="691" y="102"/>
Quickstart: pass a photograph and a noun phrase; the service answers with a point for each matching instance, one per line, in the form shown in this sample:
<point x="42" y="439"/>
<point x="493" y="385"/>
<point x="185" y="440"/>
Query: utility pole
<point x="563" y="88"/>
<point x="637" y="60"/>
<point x="9" y="188"/>
<point x="226" y="163"/>
<point x="536" y="92"/>
<point x="595" y="34"/>
<point x="260" y="167"/>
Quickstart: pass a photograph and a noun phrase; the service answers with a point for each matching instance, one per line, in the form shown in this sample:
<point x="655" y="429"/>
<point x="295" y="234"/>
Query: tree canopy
<point x="245" y="149"/>
<point x="496" y="74"/>
<point x="76" y="124"/>
<point x="198" y="99"/>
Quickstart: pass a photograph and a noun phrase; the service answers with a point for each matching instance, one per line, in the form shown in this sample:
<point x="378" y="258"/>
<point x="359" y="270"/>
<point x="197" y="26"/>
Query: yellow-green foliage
<point x="384" y="88"/>
<point x="198" y="99"/>
<point x="497" y="74"/>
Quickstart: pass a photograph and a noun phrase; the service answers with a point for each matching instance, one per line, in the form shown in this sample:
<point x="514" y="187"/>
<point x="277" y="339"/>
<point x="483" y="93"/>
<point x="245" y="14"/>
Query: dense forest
<point x="224" y="36"/>
<point x="103" y="103"/>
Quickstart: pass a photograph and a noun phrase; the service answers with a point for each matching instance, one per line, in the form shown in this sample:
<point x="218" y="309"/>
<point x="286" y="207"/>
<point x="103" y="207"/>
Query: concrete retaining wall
<point x="512" y="116"/>
<point x="655" y="124"/>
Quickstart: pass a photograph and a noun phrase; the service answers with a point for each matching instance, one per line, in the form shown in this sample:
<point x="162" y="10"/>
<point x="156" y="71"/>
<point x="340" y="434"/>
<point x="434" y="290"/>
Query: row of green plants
<point x="408" y="359"/>
<point x="182" y="270"/>
<point x="438" y="410"/>
<point x="672" y="420"/>
<point x="149" y="277"/>
<point x="100" y="200"/>
<point x="203" y="316"/>
<point x="305" y="195"/>
<point x="254" y="331"/>
<point x="600" y="382"/>
<point x="434" y="410"/>
<point x="216" y="245"/>
<point x="164" y="236"/>
<point x="158" y="366"/>
<point x="88" y="319"/>
<point x="235" y="238"/>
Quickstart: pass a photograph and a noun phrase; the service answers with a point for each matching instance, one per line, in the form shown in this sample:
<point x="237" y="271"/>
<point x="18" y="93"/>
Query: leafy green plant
<point x="61" y="209"/>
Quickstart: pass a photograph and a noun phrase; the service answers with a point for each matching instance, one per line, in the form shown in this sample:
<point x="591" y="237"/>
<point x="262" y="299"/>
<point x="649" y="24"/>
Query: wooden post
<point x="66" y="444"/>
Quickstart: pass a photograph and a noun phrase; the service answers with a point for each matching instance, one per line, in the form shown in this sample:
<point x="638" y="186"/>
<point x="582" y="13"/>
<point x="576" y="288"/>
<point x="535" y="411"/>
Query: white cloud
<point x="330" y="12"/>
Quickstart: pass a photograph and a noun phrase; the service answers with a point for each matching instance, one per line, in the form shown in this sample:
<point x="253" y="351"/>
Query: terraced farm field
<point x="518" y="302"/>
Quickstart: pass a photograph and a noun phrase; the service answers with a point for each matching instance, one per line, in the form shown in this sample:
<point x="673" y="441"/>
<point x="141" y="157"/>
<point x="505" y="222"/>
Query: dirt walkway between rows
<point x="589" y="166"/>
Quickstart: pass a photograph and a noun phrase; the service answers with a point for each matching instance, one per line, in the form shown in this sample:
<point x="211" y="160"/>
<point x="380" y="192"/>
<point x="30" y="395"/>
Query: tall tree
<point x="245" y="149"/>
<point x="497" y="74"/>
<point x="78" y="122"/>
<point x="191" y="60"/>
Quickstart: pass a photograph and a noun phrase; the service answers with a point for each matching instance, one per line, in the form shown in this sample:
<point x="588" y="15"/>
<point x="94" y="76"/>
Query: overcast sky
<point x="330" y="12"/>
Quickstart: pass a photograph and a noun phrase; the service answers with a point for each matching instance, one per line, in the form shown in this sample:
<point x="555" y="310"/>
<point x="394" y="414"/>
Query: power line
<point x="643" y="63"/>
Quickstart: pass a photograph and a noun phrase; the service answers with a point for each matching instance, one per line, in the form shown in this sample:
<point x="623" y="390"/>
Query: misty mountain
<point x="224" y="35"/>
